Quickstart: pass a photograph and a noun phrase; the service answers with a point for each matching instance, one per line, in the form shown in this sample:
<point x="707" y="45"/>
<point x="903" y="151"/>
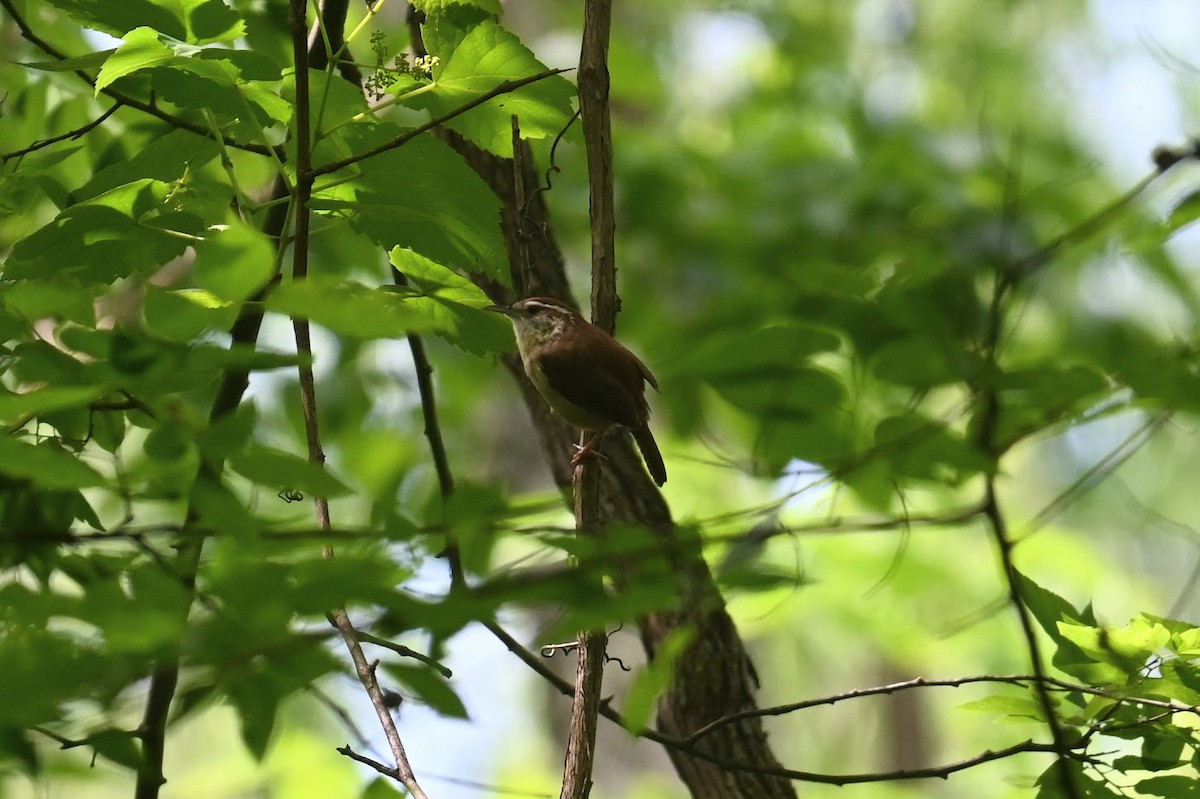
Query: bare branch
<point x="404" y="651"/>
<point x="1023" y="680"/>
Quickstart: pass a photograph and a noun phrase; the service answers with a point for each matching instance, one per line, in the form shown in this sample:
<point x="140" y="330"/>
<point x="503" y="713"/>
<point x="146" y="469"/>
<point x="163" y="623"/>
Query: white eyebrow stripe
<point x="542" y="305"/>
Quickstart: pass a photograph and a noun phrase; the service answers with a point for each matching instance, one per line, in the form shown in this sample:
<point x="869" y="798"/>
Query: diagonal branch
<point x="71" y="134"/>
<point x="503" y="88"/>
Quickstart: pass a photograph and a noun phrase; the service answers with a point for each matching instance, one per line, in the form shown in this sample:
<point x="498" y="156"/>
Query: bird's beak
<point x="504" y="309"/>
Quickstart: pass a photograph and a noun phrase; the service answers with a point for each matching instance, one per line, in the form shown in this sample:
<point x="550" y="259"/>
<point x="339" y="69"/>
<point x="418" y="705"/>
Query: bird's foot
<point x="582" y="453"/>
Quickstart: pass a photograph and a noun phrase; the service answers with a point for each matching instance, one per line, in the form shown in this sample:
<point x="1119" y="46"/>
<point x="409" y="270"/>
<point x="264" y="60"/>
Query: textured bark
<point x="713" y="678"/>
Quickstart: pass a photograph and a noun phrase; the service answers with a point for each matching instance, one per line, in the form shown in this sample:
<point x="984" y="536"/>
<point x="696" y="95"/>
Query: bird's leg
<point x="588" y="447"/>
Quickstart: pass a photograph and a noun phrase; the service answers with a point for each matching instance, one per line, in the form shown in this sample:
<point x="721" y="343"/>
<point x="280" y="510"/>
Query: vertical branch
<point x="308" y="397"/>
<point x="1006" y="278"/>
<point x="597" y="132"/>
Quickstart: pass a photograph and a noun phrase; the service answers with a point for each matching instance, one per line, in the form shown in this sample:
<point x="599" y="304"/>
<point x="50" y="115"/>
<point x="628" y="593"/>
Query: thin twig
<point x="1097" y="472"/>
<point x="1024" y="680"/>
<point x="308" y="397"/>
<point x="1005" y="279"/>
<point x="71" y="134"/>
<point x="404" y="651"/>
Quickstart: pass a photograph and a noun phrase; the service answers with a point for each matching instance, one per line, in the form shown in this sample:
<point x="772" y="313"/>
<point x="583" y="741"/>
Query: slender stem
<point x="1006" y="278"/>
<point x="597" y="127"/>
<point x="308" y="396"/>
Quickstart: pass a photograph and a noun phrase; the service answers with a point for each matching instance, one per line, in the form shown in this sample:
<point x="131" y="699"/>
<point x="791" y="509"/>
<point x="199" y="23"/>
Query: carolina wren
<point x="585" y="375"/>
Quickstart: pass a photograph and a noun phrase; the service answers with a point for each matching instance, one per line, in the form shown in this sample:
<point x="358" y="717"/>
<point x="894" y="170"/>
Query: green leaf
<point x="920" y="361"/>
<point x="1050" y="783"/>
<point x="46" y="465"/>
<point x="1161" y="752"/>
<point x="351" y="309"/>
<point x="89" y="61"/>
<point x="436" y="6"/>
<point x="234" y="261"/>
<point x="121" y="232"/>
<point x="420" y="196"/>
<point x="380" y="788"/>
<point x="216" y="84"/>
<point x="1023" y="708"/>
<point x="1047" y="607"/>
<point x="195" y="21"/>
<point x="654" y="679"/>
<point x="119" y="746"/>
<point x="15" y="406"/>
<point x="924" y="449"/>
<point x="485" y="58"/>
<point x="117" y="18"/>
<point x="185" y="314"/>
<point x="430" y="687"/>
<point x="452" y="304"/>
<point x="278" y="469"/>
<point x="54" y="297"/>
<point x="167" y="443"/>
<point x="1184" y="212"/>
<point x="771" y="348"/>
<point x="167" y="158"/>
<point x="1171" y="786"/>
<point x="141" y="50"/>
<point x="1128" y="647"/>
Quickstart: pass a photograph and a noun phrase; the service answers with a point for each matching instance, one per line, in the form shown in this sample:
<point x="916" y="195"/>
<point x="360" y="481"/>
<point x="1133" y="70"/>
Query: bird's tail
<point x="649" y="447"/>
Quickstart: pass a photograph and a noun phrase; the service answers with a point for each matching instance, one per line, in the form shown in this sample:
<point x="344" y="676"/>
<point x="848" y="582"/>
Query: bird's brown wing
<point x="594" y="388"/>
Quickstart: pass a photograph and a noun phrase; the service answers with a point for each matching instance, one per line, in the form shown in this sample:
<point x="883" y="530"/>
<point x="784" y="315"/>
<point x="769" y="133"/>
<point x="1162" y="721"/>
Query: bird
<point x="585" y="375"/>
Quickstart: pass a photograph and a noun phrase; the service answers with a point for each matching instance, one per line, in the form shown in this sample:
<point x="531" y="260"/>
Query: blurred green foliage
<point x="863" y="246"/>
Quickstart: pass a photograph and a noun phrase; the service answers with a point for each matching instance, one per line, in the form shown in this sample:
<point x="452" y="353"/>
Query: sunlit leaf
<point x="485" y="58"/>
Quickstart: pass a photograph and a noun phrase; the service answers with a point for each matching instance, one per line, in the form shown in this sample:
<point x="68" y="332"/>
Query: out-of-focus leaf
<point x="13" y="406"/>
<point x="435" y="6"/>
<point x="119" y="746"/>
<point x="1175" y="786"/>
<point x="351" y="309"/>
<point x="45" y="464"/>
<point x="430" y="687"/>
<point x="195" y="21"/>
<point x="234" y="260"/>
<point x="278" y="469"/>
<point x="185" y="314"/>
<point x="1184" y="212"/>
<point x="654" y="679"/>
<point x="58" y="298"/>
<point x="920" y="362"/>
<point x="925" y="449"/>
